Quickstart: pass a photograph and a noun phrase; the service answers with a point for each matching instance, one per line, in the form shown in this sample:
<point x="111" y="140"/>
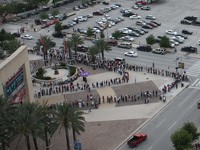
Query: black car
<point x="196" y="23"/>
<point x="65" y="1"/>
<point x="65" y="26"/>
<point x="58" y="35"/>
<point x="189" y="49"/>
<point x="38" y="22"/>
<point x="82" y="48"/>
<point x="147" y="27"/>
<point x="187" y="32"/>
<point x="16" y="34"/>
<point x="105" y="3"/>
<point x="190" y="18"/>
<point x="186" y="22"/>
<point x="157" y="23"/>
<point x="145" y="48"/>
<point x="151" y="24"/>
<point x="127" y="14"/>
<point x="63" y="17"/>
<point x="118" y="5"/>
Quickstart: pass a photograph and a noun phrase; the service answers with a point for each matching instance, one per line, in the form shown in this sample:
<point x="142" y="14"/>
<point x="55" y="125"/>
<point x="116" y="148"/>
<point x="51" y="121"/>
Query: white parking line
<point x="172" y="125"/>
<point x="160" y="123"/>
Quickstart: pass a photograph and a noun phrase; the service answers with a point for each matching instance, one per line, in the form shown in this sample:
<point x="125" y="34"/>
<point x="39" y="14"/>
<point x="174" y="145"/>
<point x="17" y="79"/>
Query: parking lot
<point x="168" y="13"/>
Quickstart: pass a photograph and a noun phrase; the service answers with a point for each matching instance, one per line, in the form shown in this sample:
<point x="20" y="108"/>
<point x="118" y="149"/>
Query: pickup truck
<point x="136" y="139"/>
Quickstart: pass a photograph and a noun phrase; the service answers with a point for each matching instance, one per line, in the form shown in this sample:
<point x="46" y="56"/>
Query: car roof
<point x="140" y="134"/>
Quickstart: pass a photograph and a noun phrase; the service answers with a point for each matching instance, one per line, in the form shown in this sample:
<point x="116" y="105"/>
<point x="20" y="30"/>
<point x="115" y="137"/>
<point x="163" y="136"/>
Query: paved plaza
<point x="110" y="124"/>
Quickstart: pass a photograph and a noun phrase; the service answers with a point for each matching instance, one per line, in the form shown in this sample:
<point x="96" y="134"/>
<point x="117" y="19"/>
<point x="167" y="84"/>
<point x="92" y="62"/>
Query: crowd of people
<point x="58" y="87"/>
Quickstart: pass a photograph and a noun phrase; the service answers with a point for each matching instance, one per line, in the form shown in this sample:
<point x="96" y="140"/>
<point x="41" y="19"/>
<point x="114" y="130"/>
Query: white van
<point x="125" y="45"/>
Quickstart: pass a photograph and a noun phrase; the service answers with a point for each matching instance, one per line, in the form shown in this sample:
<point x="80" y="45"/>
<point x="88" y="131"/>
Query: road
<point x="159" y="129"/>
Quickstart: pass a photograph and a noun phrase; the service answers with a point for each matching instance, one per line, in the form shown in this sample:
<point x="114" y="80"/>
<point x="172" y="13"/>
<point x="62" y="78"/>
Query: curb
<point x="148" y="120"/>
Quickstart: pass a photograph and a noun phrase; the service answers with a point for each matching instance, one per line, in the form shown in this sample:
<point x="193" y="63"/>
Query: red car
<point x="112" y="43"/>
<point x="136" y="139"/>
<point x="141" y="2"/>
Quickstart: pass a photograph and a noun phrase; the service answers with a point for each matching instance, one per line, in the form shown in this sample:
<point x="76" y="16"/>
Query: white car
<point x="174" y="42"/>
<point x="171" y="32"/>
<point x="81" y="18"/>
<point x="96" y="30"/>
<point x="135" y="17"/>
<point x="127" y="38"/>
<point x="135" y="7"/>
<point x="131" y="54"/>
<point x="27" y="37"/>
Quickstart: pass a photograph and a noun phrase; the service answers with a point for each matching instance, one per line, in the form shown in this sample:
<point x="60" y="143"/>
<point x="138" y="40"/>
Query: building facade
<point x="15" y="77"/>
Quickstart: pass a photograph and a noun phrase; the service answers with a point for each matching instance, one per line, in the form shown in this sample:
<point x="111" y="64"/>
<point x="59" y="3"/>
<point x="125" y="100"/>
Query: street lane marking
<point x="193" y="87"/>
<point x="160" y="123"/>
<point x="150" y="148"/>
<point x="172" y="125"/>
<point x="185" y="100"/>
<point x="192" y="105"/>
<point x="195" y="82"/>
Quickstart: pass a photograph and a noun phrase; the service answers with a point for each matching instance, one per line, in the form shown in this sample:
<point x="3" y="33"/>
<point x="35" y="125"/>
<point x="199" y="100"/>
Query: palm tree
<point x="93" y="51"/>
<point x="6" y="134"/>
<point x="76" y="40"/>
<point x="68" y="118"/>
<point x="49" y="124"/>
<point x="77" y="123"/>
<point x="103" y="46"/>
<point x="27" y="122"/>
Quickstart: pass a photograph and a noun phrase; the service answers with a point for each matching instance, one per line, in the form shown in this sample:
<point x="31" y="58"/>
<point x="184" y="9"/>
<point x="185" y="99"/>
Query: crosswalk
<point x="194" y="70"/>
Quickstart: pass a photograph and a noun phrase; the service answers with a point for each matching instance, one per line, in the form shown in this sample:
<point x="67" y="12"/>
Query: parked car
<point x="125" y="45"/>
<point x="81" y="30"/>
<point x="75" y="8"/>
<point x="134" y="34"/>
<point x="63" y="17"/>
<point x="159" y="51"/>
<point x="174" y="42"/>
<point x="145" y="31"/>
<point x="82" y="48"/>
<point x="16" y="34"/>
<point x="158" y="24"/>
<point x="190" y="18"/>
<point x="58" y="35"/>
<point x="112" y="43"/>
<point x="136" y="140"/>
<point x="140" y="23"/>
<point x="135" y="17"/>
<point x="151" y="24"/>
<point x="65" y="26"/>
<point x="186" y="22"/>
<point x="127" y="38"/>
<point x="187" y="32"/>
<point x="97" y="13"/>
<point x="177" y="39"/>
<point x="145" y="8"/>
<point x="145" y="48"/>
<point x="37" y="21"/>
<point x="131" y="54"/>
<point x="171" y="32"/>
<point x="182" y="36"/>
<point x="147" y="27"/>
<point x="189" y="49"/>
<point x="196" y="23"/>
<point x="141" y="2"/>
<point x="27" y="37"/>
<point x="128" y="14"/>
<point x="105" y="3"/>
<point x="135" y="7"/>
<point x="150" y="17"/>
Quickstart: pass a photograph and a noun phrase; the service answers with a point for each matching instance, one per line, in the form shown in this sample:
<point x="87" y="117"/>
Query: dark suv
<point x="189" y="49"/>
<point x="187" y="32"/>
<point x="145" y="48"/>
